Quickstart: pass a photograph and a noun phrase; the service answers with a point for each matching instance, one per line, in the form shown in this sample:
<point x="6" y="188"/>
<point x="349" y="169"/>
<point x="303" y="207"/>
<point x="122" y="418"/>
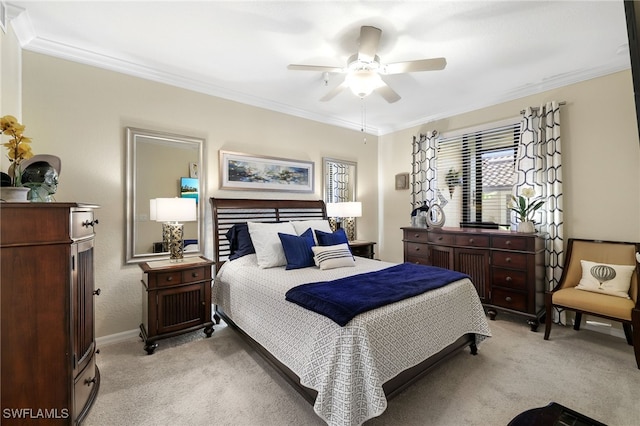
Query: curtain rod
<point x="536" y="108"/>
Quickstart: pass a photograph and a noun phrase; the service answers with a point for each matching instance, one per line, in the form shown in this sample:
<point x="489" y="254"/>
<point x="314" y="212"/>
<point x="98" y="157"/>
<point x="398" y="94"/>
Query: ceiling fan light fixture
<point x="363" y="82"/>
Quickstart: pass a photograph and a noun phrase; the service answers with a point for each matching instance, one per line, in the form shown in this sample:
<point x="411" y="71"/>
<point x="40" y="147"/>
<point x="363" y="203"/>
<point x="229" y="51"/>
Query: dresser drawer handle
<point x="169" y="278"/>
<point x="508" y="298"/>
<point x="507" y="243"/>
<point x="89" y="382"/>
<point x="440" y="238"/>
<point x="417" y="248"/>
<point x="508" y="279"/>
<point x="416" y="235"/>
<point x="194" y="275"/>
<point x="470" y="240"/>
<point x="508" y="260"/>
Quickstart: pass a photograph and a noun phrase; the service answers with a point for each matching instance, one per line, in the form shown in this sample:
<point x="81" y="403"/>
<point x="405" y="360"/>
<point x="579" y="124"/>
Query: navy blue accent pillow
<point x="240" y="241"/>
<point x="331" y="239"/>
<point x="297" y="249"/>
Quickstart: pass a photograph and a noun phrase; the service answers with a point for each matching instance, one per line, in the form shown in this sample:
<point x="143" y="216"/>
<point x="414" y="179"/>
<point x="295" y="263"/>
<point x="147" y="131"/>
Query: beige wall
<point x="601" y="161"/>
<point x="10" y="78"/>
<point x="79" y="113"/>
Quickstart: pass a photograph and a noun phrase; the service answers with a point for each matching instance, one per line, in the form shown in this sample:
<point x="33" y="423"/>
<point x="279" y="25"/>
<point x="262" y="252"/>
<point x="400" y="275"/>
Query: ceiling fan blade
<point x="388" y="93"/>
<point x="369" y="40"/>
<point x="433" y="64"/>
<point x="319" y="68"/>
<point x="335" y="91"/>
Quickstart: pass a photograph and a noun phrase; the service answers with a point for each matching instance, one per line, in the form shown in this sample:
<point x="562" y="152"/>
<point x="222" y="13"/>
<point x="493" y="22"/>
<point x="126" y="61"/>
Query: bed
<point x="347" y="372"/>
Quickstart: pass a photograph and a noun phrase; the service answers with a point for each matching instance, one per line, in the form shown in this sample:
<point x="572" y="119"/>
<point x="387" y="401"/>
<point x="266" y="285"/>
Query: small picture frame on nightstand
<point x="402" y="181"/>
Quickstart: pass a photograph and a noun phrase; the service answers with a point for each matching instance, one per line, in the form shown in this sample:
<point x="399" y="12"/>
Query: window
<point x="475" y="174"/>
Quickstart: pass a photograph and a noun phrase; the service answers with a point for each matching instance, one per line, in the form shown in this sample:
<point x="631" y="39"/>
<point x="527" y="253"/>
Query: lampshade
<point x="173" y="209"/>
<point x="345" y="209"/>
<point x="363" y="82"/>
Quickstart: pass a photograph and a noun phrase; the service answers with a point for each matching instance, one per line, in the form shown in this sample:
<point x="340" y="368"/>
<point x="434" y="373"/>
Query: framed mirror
<point x="339" y="180"/>
<point x="161" y="165"/>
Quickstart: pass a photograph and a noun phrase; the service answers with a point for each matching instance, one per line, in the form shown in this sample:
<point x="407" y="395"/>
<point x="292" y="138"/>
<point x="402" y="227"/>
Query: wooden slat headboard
<point x="228" y="211"/>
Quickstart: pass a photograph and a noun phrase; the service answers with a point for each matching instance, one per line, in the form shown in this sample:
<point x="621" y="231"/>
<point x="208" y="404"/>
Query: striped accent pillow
<point x="330" y="257"/>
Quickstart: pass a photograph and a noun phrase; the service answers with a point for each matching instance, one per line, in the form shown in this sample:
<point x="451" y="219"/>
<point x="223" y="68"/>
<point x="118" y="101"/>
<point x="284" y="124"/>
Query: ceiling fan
<point x="364" y="70"/>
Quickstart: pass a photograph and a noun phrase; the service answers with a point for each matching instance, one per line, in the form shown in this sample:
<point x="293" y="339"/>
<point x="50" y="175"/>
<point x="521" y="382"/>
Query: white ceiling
<point x="239" y="50"/>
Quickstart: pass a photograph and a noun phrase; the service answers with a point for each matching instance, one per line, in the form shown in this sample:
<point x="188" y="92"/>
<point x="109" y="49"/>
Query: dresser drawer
<point x="83" y="386"/>
<point x="435" y="237"/>
<point x="417" y="250"/>
<point x="509" y="299"/>
<point x="418" y="260"/>
<point x="509" y="278"/>
<point x="509" y="242"/>
<point x="168" y="278"/>
<point x="415" y="236"/>
<point x="509" y="259"/>
<point x="472" y="240"/>
<point x="193" y="275"/>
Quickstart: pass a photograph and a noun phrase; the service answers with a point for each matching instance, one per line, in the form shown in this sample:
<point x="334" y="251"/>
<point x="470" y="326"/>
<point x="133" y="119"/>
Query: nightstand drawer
<point x="193" y="275"/>
<point x="472" y="240"/>
<point x="509" y="299"/>
<point x="509" y="278"/>
<point x="169" y="278"/>
<point x="509" y="259"/>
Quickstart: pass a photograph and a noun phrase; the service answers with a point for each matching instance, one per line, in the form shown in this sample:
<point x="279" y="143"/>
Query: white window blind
<point x="475" y="174"/>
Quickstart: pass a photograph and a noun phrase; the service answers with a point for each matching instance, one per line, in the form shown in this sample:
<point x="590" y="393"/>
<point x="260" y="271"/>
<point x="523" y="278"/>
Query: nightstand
<point x="362" y="248"/>
<point x="176" y="299"/>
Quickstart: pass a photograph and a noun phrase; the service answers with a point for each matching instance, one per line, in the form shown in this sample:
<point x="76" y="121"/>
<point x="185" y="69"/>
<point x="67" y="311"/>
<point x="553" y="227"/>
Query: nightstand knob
<point x="507" y="243"/>
<point x="194" y="275"/>
<point x="508" y="279"/>
<point x="471" y="240"/>
<point x="508" y="299"/>
<point x="169" y="278"/>
<point x="416" y="235"/>
<point x="508" y="259"/>
<point x="97" y="292"/>
<point x="417" y="248"/>
<point x="89" y="382"/>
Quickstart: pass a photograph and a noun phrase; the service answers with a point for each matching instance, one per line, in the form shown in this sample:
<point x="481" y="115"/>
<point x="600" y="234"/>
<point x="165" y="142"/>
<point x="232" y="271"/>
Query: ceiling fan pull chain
<point x="363" y="110"/>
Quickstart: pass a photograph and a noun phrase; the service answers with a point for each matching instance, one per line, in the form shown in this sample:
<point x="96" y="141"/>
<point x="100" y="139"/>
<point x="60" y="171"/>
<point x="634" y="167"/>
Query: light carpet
<point x="192" y="380"/>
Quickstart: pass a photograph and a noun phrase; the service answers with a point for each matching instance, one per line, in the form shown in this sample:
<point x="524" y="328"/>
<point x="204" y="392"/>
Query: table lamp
<point x="345" y="214"/>
<point x="171" y="212"/>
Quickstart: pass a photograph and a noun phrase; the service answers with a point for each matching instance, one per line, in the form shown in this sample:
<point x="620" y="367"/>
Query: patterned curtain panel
<point x="539" y="166"/>
<point x="423" y="172"/>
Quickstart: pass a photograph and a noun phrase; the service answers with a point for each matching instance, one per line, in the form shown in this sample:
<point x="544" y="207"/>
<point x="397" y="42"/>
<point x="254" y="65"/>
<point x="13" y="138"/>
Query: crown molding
<point x="524" y="91"/>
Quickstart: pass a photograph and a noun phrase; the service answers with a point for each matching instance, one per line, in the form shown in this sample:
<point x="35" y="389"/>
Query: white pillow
<point x="330" y="257"/>
<point x="267" y="244"/>
<point x="614" y="280"/>
<point x="319" y="224"/>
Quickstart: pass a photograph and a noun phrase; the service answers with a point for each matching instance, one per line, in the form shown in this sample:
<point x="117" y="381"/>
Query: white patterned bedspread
<point x="346" y="365"/>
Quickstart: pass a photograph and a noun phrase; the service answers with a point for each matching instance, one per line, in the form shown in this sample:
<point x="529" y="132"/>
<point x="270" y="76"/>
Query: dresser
<point x="507" y="268"/>
<point x="49" y="371"/>
<point x="176" y="299"/>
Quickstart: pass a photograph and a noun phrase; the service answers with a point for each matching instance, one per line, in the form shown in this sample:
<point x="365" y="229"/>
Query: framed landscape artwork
<point x="260" y="173"/>
<point x="189" y="188"/>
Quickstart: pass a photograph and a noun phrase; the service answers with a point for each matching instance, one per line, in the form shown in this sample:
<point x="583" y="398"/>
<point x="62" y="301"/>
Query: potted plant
<point x="525" y="208"/>
<point x="18" y="149"/>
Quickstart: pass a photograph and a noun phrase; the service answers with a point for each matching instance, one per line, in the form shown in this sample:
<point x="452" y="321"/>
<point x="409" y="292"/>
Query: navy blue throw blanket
<point x="344" y="298"/>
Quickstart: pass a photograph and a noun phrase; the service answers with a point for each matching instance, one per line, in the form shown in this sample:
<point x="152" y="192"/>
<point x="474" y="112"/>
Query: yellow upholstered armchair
<point x="600" y="278"/>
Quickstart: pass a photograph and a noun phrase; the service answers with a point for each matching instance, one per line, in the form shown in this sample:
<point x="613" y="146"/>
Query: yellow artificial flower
<point x="18" y="147"/>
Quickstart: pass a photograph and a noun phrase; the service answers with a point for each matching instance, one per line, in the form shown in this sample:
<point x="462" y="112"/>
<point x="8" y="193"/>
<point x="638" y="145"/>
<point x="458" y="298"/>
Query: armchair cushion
<point x="596" y="303"/>
<point x="606" y="278"/>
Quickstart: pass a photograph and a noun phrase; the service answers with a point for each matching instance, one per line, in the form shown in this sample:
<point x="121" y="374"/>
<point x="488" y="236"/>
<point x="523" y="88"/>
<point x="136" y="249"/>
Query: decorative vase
<point x="14" y="193"/>
<point x="526" y="227"/>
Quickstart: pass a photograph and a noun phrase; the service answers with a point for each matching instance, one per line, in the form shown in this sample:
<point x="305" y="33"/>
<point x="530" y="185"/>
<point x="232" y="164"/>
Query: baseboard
<point x="604" y="328"/>
<point x="118" y="337"/>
